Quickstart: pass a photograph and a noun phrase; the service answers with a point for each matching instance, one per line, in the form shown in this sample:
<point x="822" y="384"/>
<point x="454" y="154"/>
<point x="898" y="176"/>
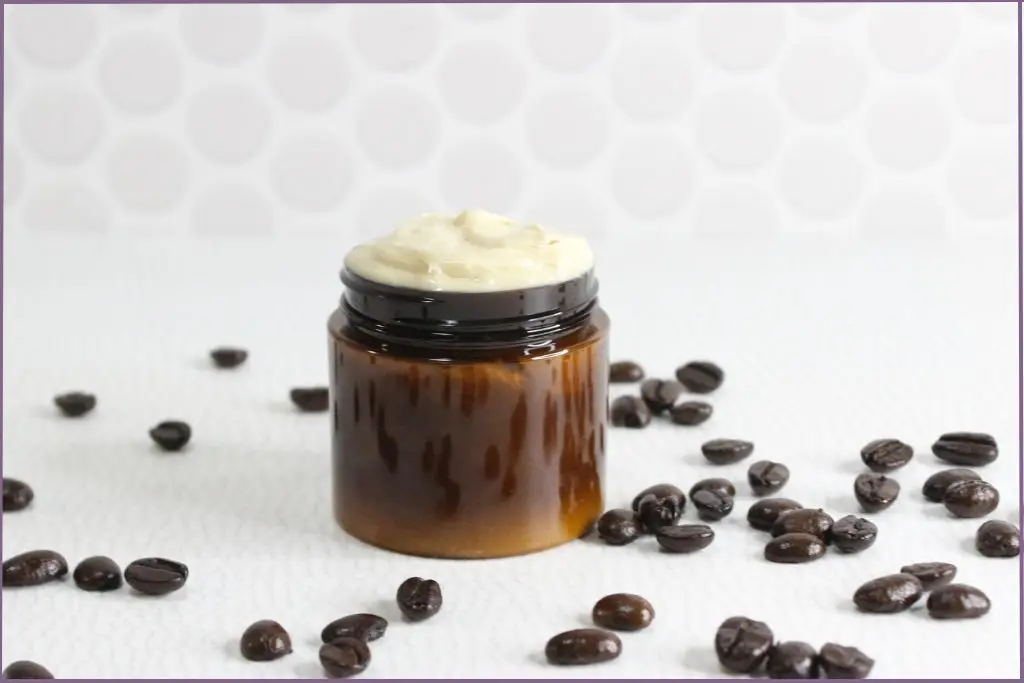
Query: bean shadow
<point x="839" y="506"/>
<point x="309" y="670"/>
<point x="703" y="660"/>
<point x="969" y="547"/>
<point x="231" y="649"/>
<point x="538" y="658"/>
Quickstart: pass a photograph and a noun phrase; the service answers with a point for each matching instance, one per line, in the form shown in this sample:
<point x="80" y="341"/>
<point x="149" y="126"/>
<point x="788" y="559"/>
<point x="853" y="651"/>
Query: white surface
<point x="825" y="345"/>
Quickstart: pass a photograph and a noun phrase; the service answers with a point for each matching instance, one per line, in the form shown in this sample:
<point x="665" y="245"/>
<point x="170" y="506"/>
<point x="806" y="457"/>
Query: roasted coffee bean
<point x="932" y="575"/>
<point x="171" y="435"/>
<point x="712" y="506"/>
<point x="805" y="521"/>
<point x="886" y="455"/>
<point x="714" y="484"/>
<point x="766" y="477"/>
<point x="685" y="538"/>
<point x="265" y="641"/>
<point x="623" y="612"/>
<point x="742" y="644"/>
<point x="624" y="372"/>
<point x="971" y="499"/>
<point x="690" y="413"/>
<point x="156" y="575"/>
<point x="17" y="495"/>
<point x="583" y="646"/>
<point x="631" y="412"/>
<point x="875" y="492"/>
<point x="97" y="574"/>
<point x="957" y="601"/>
<point x="700" y="376"/>
<point x="365" y="627"/>
<point x="852" y="534"/>
<point x="935" y="486"/>
<point x="419" y="599"/>
<point x="34" y="568"/>
<point x="792" y="660"/>
<point x="889" y="594"/>
<point x="618" y="527"/>
<point x="794" y="549"/>
<point x="311" y="399"/>
<point x="966" y="448"/>
<point x="726" y="451"/>
<point x="75" y="403"/>
<point x="996" y="538"/>
<point x="26" y="670"/>
<point x="840" y="661"/>
<point x="227" y="357"/>
<point x="763" y="514"/>
<point x="344" y="657"/>
<point x="660" y="394"/>
<point x="659" y="505"/>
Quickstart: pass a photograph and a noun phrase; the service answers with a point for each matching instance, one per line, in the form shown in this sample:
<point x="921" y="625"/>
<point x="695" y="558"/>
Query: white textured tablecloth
<point x="826" y="345"/>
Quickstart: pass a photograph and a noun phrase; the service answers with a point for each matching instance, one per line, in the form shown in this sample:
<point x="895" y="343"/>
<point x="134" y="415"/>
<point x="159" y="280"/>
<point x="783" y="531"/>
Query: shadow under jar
<point x="468" y="424"/>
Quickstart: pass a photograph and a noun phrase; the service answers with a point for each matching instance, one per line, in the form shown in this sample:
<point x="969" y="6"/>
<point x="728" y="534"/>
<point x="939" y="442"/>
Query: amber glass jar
<point x="468" y="425"/>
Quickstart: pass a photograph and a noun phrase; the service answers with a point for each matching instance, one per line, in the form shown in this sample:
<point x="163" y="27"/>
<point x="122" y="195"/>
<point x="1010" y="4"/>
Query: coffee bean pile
<point x="616" y="612"/>
<point x="97" y="574"/>
<point x="660" y="397"/>
<point x="899" y="592"/>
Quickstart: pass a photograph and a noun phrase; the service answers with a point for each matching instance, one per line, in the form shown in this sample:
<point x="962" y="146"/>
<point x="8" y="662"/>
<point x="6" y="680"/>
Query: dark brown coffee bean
<point x="685" y="538"/>
<point x="766" y="477"/>
<point x="26" y="670"/>
<point x="840" y="661"/>
<point x="957" y="601"/>
<point x="996" y="538"/>
<point x="419" y="599"/>
<point x="875" y="492"/>
<point x="794" y="549"/>
<point x="971" y="499"/>
<point x="624" y="372"/>
<point x="932" y="575"/>
<point x="852" y="534"/>
<point x="792" y="660"/>
<point x="618" y="527"/>
<point x="659" y="505"/>
<point x="763" y="514"/>
<point x="75" y="403"/>
<point x="726" y="451"/>
<point x="690" y="413"/>
<point x="716" y="485"/>
<point x="660" y="394"/>
<point x="311" y="399"/>
<point x="700" y="376"/>
<point x="623" y="612"/>
<point x="344" y="657"/>
<point x="17" y="495"/>
<point x="227" y="357"/>
<point x="631" y="412"/>
<point x="886" y="455"/>
<point x="805" y="521"/>
<point x="935" y="486"/>
<point x="966" y="448"/>
<point x="156" y="575"/>
<point x="742" y="644"/>
<point x="97" y="574"/>
<point x="171" y="435"/>
<point x="712" y="506"/>
<point x="583" y="646"/>
<point x="888" y="594"/>
<point x="34" y="568"/>
<point x="265" y="641"/>
<point x="365" y="627"/>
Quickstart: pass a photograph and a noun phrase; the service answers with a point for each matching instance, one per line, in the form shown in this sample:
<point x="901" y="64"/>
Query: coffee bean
<point x="685" y="538"/>
<point x="763" y="514"/>
<point x="792" y="660"/>
<point x="742" y="644"/>
<point x="583" y="646"/>
<point x="344" y="657"/>
<point x="26" y="670"/>
<point x="34" y="568"/>
<point x="957" y="601"/>
<point x="932" y="575"/>
<point x="659" y="505"/>
<point x="419" y="599"/>
<point x="660" y="394"/>
<point x="700" y="376"/>
<point x="171" y="435"/>
<point x="766" y="477"/>
<point x="875" y="492"/>
<point x="156" y="575"/>
<point x="624" y="372"/>
<point x="966" y="448"/>
<point x="805" y="521"/>
<point x="971" y="499"/>
<point x="17" y="495"/>
<point x="690" y="413"/>
<point x="886" y="455"/>
<point x="888" y="594"/>
<point x="726" y="451"/>
<point x="714" y="484"/>
<point x="840" y="661"/>
<point x="712" y="506"/>
<point x="365" y="627"/>
<point x="852" y="534"/>
<point x="75" y="403"/>
<point x="227" y="357"/>
<point x="935" y="486"/>
<point x="618" y="527"/>
<point x="631" y="412"/>
<point x="265" y="641"/>
<point x="97" y="574"/>
<point x="996" y="538"/>
<point x="794" y="549"/>
<point x="311" y="399"/>
<point x="623" y="612"/>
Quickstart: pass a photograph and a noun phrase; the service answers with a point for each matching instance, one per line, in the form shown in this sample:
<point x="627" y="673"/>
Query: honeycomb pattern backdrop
<point x="250" y="120"/>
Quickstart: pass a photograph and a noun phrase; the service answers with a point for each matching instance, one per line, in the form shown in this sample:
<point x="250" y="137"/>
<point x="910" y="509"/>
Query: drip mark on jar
<point x="373" y="399"/>
<point x="449" y="505"/>
<point x="492" y="463"/>
<point x="386" y="445"/>
<point x="483" y="388"/>
<point x="355" y="404"/>
<point x="444" y="462"/>
<point x="550" y="427"/>
<point x="414" y="385"/>
<point x="446" y="392"/>
<point x="428" y="457"/>
<point x="466" y="404"/>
